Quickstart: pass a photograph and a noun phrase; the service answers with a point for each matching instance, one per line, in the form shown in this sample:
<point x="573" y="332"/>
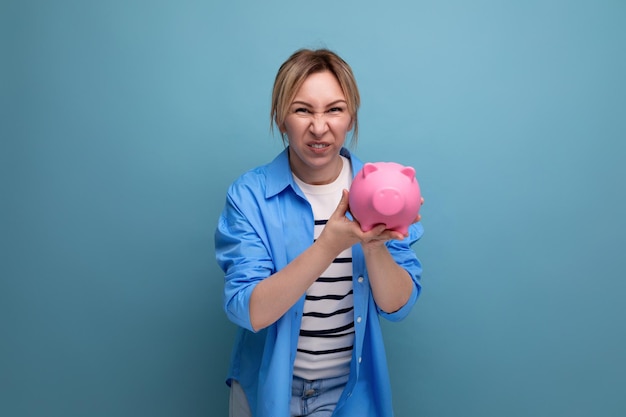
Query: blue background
<point x="123" y="122"/>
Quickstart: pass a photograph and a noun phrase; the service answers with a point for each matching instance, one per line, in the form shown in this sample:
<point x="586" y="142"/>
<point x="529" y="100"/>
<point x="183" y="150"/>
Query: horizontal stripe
<point x="326" y="352"/>
<point x="325" y="315"/>
<point x="335" y="279"/>
<point x="320" y="222"/>
<point x="342" y="260"/>
<point x="328" y="297"/>
<point x="329" y="336"/>
<point x="318" y="333"/>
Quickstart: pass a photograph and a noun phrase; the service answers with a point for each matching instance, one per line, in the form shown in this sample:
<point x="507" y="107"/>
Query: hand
<point x="341" y="233"/>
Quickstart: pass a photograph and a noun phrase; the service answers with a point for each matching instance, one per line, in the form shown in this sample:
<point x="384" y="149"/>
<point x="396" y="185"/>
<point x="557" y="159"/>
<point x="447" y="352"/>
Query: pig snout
<point x="388" y="201"/>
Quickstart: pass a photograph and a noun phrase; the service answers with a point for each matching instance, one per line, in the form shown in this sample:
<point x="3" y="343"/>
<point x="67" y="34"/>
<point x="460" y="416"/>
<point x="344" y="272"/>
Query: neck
<point x="322" y="176"/>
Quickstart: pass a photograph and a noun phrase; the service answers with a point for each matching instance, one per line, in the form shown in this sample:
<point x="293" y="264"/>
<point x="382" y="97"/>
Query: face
<point x="316" y="125"/>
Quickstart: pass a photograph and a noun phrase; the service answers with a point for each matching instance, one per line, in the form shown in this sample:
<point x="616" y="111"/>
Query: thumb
<point x="342" y="207"/>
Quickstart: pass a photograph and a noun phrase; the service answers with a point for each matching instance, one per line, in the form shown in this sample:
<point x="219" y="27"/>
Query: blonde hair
<point x="297" y="68"/>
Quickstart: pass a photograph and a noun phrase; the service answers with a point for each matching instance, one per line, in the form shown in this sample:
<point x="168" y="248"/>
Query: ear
<point x="281" y="127"/>
<point x="351" y="125"/>
<point x="368" y="168"/>
<point x="409" y="172"/>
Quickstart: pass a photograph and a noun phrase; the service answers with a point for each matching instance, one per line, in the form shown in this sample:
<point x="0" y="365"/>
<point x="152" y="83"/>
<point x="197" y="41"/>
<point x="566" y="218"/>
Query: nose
<point x="388" y="201"/>
<point x="318" y="126"/>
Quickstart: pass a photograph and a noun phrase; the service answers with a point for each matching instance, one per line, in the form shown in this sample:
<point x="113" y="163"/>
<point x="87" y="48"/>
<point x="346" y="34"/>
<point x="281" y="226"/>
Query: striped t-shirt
<point x="327" y="329"/>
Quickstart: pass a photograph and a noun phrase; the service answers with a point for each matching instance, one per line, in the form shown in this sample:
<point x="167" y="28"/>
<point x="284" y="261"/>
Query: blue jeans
<point x="316" y="398"/>
<point x="308" y="398"/>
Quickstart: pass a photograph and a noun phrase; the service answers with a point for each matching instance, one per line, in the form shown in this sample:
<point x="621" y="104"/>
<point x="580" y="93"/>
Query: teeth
<point x="318" y="146"/>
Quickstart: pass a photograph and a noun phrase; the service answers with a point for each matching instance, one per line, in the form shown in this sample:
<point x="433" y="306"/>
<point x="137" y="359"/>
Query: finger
<point x="379" y="229"/>
<point x="374" y="233"/>
<point x="388" y="234"/>
<point x="342" y="207"/>
<point x="400" y="236"/>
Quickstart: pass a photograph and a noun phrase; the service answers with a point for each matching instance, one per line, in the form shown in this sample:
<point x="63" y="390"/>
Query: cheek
<point x="342" y="125"/>
<point x="291" y="126"/>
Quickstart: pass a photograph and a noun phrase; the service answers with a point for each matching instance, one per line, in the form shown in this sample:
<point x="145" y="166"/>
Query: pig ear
<point x="368" y="168"/>
<point x="409" y="172"/>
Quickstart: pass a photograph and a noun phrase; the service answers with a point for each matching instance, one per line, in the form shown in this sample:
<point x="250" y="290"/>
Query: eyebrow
<point x="328" y="105"/>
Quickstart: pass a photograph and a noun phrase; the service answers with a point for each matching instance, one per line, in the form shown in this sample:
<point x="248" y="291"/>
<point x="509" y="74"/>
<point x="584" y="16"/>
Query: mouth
<point x="318" y="145"/>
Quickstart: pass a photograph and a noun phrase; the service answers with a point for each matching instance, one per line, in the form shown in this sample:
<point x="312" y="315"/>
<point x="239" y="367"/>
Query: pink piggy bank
<point x="387" y="193"/>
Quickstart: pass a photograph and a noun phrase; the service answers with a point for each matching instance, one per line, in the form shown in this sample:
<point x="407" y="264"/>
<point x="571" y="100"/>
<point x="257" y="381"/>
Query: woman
<point x="303" y="282"/>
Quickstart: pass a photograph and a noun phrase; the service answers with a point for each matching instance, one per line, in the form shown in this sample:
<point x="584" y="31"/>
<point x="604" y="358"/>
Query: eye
<point x="301" y="110"/>
<point x="335" y="110"/>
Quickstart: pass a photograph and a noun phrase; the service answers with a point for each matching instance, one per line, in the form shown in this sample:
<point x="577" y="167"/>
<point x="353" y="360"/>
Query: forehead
<point x="320" y="86"/>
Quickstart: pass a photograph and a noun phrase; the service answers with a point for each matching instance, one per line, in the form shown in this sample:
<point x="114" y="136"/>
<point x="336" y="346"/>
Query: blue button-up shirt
<point x="266" y="223"/>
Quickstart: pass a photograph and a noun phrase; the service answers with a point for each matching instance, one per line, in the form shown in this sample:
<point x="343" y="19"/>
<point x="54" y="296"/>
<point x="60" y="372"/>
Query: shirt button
<point x="358" y="319"/>
<point x="360" y="280"/>
<point x="360" y="359"/>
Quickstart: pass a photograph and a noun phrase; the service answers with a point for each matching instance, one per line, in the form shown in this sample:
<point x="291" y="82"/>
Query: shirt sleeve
<point x="242" y="253"/>
<point x="404" y="255"/>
